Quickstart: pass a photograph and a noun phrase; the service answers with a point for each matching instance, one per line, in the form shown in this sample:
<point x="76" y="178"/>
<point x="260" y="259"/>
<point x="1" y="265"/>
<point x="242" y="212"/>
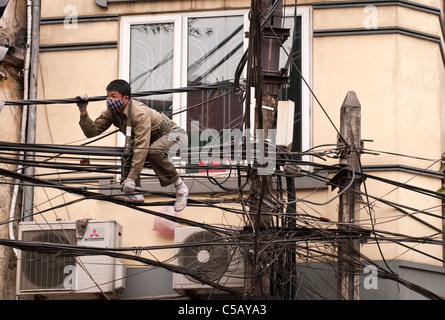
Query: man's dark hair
<point x="121" y="86"/>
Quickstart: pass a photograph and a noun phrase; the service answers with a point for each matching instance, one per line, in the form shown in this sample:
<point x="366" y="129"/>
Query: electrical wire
<point x="296" y="241"/>
<point x="221" y="85"/>
<point x="290" y="215"/>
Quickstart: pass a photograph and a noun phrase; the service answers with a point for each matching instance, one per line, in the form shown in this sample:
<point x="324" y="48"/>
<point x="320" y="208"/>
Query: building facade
<point x="390" y="53"/>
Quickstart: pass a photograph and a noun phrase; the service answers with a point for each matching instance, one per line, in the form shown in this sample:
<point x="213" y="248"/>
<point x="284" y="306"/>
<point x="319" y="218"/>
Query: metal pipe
<point x="24" y="116"/>
<point x="28" y="196"/>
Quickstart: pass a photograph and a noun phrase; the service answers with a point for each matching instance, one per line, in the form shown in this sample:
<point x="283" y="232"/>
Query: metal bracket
<point x="102" y="3"/>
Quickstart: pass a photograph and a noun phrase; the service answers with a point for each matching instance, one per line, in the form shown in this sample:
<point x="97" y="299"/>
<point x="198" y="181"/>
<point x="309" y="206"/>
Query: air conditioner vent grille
<point x="209" y="259"/>
<point x="206" y="256"/>
<point x="47" y="271"/>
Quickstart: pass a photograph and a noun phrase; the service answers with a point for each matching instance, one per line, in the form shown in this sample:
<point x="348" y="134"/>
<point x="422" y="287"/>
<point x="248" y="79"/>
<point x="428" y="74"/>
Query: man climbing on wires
<point x="147" y="132"/>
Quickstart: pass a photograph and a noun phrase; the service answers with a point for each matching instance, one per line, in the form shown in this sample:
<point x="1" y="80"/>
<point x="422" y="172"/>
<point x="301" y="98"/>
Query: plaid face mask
<point x="114" y="105"/>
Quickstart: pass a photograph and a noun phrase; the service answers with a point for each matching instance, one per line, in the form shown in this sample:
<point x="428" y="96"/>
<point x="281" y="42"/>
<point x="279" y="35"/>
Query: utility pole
<point x="348" y="272"/>
<point x="266" y="78"/>
<point x="12" y="44"/>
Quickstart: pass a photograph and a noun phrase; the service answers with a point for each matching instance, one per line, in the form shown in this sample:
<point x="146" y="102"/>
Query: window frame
<point x="180" y="21"/>
<point x="306" y="70"/>
<point x="125" y="46"/>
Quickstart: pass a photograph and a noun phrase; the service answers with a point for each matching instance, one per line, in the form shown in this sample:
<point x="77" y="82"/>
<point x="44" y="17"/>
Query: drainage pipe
<point x="24" y="115"/>
<point x="28" y="196"/>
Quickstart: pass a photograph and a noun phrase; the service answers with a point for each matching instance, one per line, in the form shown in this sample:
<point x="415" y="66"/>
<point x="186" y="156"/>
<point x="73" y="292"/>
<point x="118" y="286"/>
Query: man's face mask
<point x="114" y="105"/>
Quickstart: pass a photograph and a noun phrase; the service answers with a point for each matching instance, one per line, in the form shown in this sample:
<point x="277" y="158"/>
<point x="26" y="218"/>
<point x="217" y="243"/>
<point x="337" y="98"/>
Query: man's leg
<point x="165" y="170"/>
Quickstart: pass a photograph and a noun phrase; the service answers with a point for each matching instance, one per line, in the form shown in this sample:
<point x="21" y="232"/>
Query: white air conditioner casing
<point x="61" y="277"/>
<point x="222" y="263"/>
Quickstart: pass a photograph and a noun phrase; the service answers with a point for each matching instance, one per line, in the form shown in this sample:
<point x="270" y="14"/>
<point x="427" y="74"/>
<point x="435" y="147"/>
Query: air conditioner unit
<point x="209" y="255"/>
<point x="60" y="277"/>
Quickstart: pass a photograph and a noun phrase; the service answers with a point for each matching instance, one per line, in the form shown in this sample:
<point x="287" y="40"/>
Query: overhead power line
<point x="221" y="85"/>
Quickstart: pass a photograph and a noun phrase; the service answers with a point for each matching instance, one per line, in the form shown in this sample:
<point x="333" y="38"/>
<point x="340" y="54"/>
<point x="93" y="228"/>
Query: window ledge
<point x="200" y="185"/>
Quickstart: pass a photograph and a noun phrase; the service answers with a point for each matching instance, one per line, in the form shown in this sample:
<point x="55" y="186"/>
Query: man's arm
<point x="89" y="127"/>
<point x="94" y="128"/>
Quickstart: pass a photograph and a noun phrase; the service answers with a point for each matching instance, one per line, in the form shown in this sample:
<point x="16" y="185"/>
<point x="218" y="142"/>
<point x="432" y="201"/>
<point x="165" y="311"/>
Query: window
<point x="298" y="48"/>
<point x="215" y="47"/>
<point x="194" y="49"/>
<point x="180" y="50"/>
<point x="151" y="67"/>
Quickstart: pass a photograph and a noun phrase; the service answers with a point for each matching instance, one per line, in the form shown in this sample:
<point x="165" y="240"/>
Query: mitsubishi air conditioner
<point x="208" y="255"/>
<point x="49" y="276"/>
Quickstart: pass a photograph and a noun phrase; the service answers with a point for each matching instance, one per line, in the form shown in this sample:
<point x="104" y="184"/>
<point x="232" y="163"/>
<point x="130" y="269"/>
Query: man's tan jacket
<point x="145" y="123"/>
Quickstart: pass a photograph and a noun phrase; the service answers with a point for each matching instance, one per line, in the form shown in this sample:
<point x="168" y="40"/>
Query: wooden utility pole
<point x="348" y="272"/>
<point x="12" y="39"/>
<point x="267" y="82"/>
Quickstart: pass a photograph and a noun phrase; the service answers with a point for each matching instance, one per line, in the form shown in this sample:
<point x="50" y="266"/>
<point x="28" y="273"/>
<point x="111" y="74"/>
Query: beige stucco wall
<point x="89" y="7"/>
<point x="398" y="79"/>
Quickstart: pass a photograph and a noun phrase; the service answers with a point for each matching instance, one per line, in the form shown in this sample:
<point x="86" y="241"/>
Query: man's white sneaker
<point x="182" y="193"/>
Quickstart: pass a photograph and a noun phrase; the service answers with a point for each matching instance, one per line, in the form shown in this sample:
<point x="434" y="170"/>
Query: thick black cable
<point x="221" y="85"/>
<point x="96" y="196"/>
<point x="75" y="251"/>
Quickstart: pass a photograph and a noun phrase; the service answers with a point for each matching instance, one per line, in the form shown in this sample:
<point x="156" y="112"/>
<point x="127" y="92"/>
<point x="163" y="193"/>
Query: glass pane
<point x="215" y="47"/>
<point x="292" y="91"/>
<point x="151" y="66"/>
